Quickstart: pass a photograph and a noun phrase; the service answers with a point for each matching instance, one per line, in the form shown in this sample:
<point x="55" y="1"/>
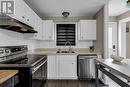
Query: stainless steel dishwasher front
<point x="86" y="66"/>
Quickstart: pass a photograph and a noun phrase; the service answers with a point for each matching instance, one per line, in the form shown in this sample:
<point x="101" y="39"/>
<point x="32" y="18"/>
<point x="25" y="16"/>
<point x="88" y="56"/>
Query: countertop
<point x="7" y="74"/>
<point x="55" y="53"/>
<point x="120" y="68"/>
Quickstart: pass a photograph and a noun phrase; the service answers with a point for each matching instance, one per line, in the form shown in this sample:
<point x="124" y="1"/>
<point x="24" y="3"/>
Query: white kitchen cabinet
<point x="23" y="12"/>
<point x="19" y="10"/>
<point x="37" y="27"/>
<point x="67" y="67"/>
<point x="87" y="30"/>
<point x="29" y="15"/>
<point x="62" y="67"/>
<point x="48" y="30"/>
<point x="52" y="67"/>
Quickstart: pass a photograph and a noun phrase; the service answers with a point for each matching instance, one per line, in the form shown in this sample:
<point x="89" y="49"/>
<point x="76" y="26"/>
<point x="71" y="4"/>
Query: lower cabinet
<point x="52" y="67"/>
<point x="62" y="67"/>
<point x="12" y="82"/>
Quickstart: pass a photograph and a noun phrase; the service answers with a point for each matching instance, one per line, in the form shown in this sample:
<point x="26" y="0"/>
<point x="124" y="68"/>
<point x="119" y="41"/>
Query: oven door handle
<point x="35" y="69"/>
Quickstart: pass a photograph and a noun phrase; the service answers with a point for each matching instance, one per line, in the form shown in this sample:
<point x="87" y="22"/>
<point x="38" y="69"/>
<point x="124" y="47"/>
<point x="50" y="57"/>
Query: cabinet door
<point x="87" y="29"/>
<point x="19" y="12"/>
<point x="38" y="27"/>
<point x="52" y="67"/>
<point x="67" y="67"/>
<point x="48" y="30"/>
<point x="29" y="15"/>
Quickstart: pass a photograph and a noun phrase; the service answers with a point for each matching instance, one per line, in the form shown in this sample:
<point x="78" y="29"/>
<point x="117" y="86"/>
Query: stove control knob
<point x="1" y="51"/>
<point x="22" y="49"/>
<point x="7" y="51"/>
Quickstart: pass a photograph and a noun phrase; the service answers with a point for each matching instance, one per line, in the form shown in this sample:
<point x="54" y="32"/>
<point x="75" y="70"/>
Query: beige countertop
<point x="6" y="75"/>
<point x="119" y="68"/>
<point x="55" y="53"/>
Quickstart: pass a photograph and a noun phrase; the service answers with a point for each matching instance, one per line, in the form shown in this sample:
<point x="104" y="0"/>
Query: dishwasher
<point x="86" y="66"/>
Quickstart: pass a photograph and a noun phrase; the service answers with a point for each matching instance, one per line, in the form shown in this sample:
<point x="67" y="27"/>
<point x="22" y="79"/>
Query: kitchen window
<point x="65" y="33"/>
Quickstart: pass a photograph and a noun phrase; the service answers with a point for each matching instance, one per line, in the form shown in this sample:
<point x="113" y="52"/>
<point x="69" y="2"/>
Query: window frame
<point x="76" y="34"/>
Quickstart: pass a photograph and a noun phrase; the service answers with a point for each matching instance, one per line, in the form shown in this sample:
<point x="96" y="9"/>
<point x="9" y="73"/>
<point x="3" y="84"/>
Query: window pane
<point x="65" y="32"/>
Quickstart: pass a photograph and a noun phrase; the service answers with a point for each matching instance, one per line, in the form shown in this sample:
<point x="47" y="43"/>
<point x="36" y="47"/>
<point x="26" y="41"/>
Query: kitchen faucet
<point x="68" y="42"/>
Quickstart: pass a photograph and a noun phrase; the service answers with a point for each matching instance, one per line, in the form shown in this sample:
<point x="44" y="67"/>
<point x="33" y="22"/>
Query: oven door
<point x="39" y="71"/>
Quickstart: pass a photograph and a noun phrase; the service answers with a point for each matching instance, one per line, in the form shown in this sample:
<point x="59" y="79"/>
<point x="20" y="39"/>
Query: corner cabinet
<point x="48" y="30"/>
<point x="62" y="67"/>
<point x="87" y="30"/>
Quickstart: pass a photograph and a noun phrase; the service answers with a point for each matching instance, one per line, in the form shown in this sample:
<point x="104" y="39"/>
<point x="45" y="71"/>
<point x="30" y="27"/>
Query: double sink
<point x="65" y="52"/>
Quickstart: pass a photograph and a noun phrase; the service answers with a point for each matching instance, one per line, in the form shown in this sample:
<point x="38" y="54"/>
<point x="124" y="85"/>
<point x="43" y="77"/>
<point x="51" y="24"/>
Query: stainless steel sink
<point x="65" y="52"/>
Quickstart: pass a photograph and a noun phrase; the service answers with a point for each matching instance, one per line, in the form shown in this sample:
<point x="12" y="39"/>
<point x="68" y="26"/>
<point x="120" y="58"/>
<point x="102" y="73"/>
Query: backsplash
<point x="52" y="44"/>
<point x="10" y="38"/>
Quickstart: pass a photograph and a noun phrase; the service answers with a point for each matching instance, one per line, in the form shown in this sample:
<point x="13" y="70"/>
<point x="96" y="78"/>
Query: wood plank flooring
<point x="64" y="83"/>
<point x="69" y="83"/>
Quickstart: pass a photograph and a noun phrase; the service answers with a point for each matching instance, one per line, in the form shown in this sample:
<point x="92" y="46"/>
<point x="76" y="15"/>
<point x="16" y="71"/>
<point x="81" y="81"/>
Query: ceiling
<point x="117" y="7"/>
<point x="75" y="7"/>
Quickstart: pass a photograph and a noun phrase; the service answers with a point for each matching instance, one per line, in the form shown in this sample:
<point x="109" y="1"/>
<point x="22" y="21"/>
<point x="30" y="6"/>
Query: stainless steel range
<point x="30" y="66"/>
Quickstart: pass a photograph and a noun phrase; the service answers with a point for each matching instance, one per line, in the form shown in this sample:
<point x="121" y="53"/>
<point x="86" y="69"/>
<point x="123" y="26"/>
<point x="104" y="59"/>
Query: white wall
<point x="52" y="44"/>
<point x="122" y="39"/>
<point x="11" y="38"/>
<point x="112" y="38"/>
<point x="113" y="19"/>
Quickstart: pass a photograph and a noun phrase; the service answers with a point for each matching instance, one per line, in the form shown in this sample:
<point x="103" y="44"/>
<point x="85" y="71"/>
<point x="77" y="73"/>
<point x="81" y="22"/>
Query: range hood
<point x="12" y="24"/>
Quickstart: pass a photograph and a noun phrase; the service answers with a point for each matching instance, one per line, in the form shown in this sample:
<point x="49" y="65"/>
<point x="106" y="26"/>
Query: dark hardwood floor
<point x="64" y="83"/>
<point x="69" y="83"/>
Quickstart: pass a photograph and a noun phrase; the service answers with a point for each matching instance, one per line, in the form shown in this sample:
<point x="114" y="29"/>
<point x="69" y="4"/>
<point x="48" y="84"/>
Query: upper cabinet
<point x="37" y="27"/>
<point x="87" y="30"/>
<point x="48" y="30"/>
<point x="29" y="15"/>
<point x="23" y="13"/>
<point x="19" y="11"/>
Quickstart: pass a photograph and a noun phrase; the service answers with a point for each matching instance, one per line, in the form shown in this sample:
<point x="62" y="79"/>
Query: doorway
<point x="112" y="38"/>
